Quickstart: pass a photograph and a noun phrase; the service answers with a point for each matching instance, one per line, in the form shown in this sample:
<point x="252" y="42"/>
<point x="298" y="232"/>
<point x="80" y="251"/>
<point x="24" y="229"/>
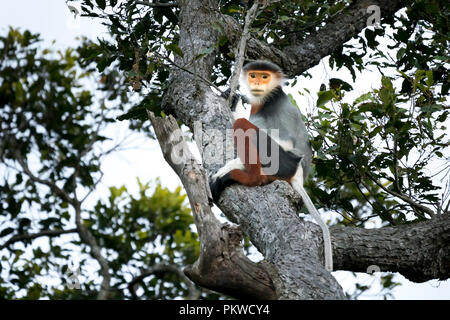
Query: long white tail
<point x="298" y="186"/>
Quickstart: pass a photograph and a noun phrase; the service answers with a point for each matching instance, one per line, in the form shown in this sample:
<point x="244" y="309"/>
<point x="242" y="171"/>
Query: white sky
<point x="53" y="21"/>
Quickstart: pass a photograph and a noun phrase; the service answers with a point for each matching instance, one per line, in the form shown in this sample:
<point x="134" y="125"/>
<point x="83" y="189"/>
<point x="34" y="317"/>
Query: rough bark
<point x="293" y="248"/>
<point x="222" y="265"/>
<point x="274" y="227"/>
<point x="420" y="251"/>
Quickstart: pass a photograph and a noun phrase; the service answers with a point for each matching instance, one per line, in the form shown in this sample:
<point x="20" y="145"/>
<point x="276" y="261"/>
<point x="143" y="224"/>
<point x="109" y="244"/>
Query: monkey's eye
<point x="265" y="76"/>
<point x="252" y="75"/>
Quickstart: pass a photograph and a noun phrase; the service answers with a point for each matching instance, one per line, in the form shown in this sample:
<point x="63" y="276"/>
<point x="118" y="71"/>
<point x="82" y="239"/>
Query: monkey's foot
<point x="218" y="184"/>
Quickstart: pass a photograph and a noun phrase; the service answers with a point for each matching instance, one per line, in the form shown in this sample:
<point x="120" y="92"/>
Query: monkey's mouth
<point x="257" y="91"/>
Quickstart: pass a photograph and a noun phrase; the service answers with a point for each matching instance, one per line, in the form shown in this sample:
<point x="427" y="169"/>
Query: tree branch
<point x="400" y="196"/>
<point x="172" y="63"/>
<point x="269" y="215"/>
<point x="57" y="190"/>
<point x="28" y="236"/>
<point x="419" y="251"/>
<point x="249" y="18"/>
<point x="194" y="293"/>
<point x="87" y="237"/>
<point x="303" y="55"/>
<point x="84" y="233"/>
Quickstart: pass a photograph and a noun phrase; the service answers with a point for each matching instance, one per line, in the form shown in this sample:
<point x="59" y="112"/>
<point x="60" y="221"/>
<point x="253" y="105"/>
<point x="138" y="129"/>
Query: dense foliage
<point x="51" y="148"/>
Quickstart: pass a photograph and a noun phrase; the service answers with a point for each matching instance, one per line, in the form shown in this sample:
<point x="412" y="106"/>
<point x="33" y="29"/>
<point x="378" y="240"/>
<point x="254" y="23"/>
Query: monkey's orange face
<point x="259" y="82"/>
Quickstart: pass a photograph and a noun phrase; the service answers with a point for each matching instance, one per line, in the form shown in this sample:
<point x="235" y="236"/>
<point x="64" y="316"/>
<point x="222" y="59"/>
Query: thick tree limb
<point x="274" y="227"/>
<point x="52" y="185"/>
<point x="88" y="238"/>
<point x="420" y="251"/>
<point x="339" y="30"/>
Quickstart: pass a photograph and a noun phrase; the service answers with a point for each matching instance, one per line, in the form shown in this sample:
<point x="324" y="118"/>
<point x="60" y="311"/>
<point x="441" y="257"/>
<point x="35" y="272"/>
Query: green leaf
<point x="104" y="63"/>
<point x="347" y="205"/>
<point x="374" y="132"/>
<point x="101" y="4"/>
<point x="18" y="90"/>
<point x="137" y="112"/>
<point x="223" y="40"/>
<point x="6" y="231"/>
<point x="115" y="192"/>
<point x="400" y="53"/>
<point x="370" y="37"/>
<point x="324" y="97"/>
<point x="363" y="97"/>
<point x="336" y="8"/>
<point x="175" y="49"/>
<point x="430" y="80"/>
<point x="336" y="83"/>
